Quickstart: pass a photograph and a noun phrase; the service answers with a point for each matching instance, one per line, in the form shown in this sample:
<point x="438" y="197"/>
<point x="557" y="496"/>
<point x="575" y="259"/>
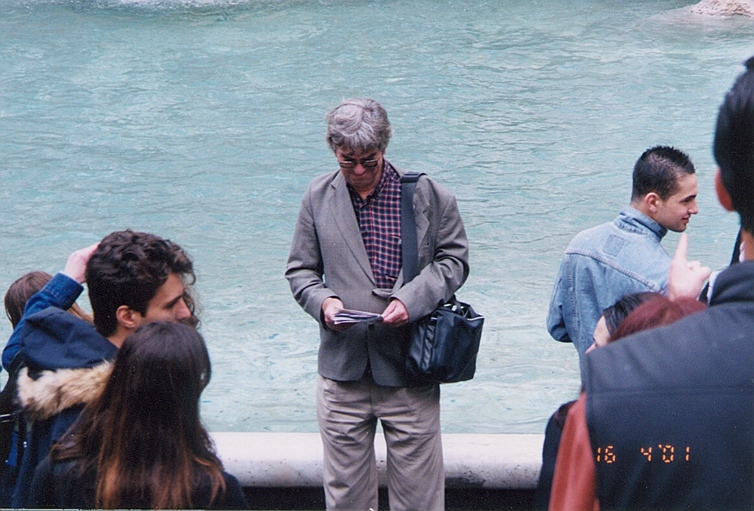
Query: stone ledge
<point x="275" y="460"/>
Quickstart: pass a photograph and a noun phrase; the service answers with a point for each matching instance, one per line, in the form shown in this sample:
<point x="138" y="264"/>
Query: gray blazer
<point x="328" y="259"/>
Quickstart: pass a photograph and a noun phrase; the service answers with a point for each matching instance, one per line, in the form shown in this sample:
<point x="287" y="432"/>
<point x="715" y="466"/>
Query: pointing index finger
<point x="682" y="250"/>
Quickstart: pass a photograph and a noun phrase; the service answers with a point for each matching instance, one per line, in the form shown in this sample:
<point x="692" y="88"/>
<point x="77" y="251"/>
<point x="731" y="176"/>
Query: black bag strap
<point x="409" y="244"/>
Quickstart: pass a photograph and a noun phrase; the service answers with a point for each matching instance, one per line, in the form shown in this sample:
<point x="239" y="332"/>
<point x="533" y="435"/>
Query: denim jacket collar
<point x="633" y="220"/>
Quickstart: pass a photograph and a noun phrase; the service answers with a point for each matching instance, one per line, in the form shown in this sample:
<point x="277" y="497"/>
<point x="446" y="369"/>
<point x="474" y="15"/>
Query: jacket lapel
<point x="345" y="219"/>
<point x="421" y="211"/>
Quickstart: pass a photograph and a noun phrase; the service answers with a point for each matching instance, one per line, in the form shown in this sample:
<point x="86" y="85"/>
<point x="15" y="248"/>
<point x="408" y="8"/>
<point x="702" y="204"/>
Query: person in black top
<point x="141" y="443"/>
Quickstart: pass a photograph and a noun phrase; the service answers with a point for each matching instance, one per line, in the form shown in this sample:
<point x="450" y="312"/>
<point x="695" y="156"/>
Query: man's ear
<point x="722" y="194"/>
<point x="127" y="317"/>
<point x="651" y="201"/>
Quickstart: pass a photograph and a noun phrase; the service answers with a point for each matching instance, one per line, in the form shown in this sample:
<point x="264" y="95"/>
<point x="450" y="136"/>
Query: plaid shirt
<point x="379" y="218"/>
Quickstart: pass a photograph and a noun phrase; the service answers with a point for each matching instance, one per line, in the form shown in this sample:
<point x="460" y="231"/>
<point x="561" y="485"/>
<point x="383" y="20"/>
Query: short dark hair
<point x="616" y="313"/>
<point x="658" y="169"/>
<point x="127" y="269"/>
<point x="734" y="145"/>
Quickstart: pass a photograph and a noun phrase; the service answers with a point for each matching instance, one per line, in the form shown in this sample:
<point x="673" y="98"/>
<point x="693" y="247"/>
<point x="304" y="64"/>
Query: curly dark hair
<point x="127" y="269"/>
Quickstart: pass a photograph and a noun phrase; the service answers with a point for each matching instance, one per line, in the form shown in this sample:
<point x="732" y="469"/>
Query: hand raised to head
<point x="76" y="265"/>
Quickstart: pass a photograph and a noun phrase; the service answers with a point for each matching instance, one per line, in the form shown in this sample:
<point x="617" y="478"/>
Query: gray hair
<point x="358" y="125"/>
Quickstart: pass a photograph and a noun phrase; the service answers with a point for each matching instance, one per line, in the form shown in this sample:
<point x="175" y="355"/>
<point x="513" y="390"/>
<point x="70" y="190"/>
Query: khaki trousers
<point x="347" y="413"/>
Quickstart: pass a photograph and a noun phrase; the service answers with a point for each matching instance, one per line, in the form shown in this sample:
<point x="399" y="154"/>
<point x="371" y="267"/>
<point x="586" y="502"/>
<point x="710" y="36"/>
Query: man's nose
<point x="182" y="311"/>
<point x="694" y="209"/>
<point x="359" y="169"/>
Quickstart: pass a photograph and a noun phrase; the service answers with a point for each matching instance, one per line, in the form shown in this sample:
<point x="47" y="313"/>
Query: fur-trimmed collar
<point x="54" y="391"/>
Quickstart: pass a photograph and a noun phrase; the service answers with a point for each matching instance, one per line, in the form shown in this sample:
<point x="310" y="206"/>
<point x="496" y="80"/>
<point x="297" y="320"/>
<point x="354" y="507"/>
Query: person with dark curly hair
<point x="133" y="278"/>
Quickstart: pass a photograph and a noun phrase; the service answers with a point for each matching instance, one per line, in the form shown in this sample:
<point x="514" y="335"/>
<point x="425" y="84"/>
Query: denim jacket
<point x="61" y="291"/>
<point x="600" y="266"/>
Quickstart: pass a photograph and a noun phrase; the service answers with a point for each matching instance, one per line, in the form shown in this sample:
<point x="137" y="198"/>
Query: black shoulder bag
<point x="444" y="344"/>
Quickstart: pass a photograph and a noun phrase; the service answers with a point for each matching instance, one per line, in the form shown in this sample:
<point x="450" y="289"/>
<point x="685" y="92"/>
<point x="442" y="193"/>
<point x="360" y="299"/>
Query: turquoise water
<point x="203" y="122"/>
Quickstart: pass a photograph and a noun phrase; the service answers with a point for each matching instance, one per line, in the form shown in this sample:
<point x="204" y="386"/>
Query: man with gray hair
<point x="346" y="253"/>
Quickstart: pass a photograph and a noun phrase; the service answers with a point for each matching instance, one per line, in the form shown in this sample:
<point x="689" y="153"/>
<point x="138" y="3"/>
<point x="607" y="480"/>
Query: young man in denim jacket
<point x="607" y="262"/>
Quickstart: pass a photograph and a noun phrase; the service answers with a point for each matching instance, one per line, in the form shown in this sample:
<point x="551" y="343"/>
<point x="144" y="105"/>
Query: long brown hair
<point x="143" y="436"/>
<point x="24" y="288"/>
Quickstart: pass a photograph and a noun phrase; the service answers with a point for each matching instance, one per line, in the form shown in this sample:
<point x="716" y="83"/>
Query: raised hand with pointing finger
<point x="685" y="278"/>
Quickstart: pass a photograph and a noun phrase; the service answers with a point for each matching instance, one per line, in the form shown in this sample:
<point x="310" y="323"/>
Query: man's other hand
<point x="395" y="314"/>
<point x="330" y="307"/>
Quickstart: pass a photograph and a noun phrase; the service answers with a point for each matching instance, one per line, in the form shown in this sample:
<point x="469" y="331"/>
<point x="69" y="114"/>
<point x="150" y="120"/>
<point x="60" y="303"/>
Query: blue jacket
<point x="67" y="364"/>
<point x="671" y="409"/>
<point x="600" y="266"/>
<point x="61" y="291"/>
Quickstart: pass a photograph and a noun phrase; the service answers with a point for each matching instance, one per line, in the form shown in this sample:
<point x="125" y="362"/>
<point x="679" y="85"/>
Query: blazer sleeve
<point x="443" y="253"/>
<point x="305" y="266"/>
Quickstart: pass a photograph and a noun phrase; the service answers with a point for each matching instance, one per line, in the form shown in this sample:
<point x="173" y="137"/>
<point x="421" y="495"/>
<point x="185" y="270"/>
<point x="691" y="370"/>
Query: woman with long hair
<point x="141" y="444"/>
<point x="24" y="288"/>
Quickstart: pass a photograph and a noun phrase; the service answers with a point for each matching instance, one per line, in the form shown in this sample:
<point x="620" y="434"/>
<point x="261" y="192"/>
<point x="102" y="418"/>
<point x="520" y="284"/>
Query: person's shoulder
<point x="50" y="393"/>
<point x="234" y="495"/>
<point x="591" y="237"/>
<point x="232" y="498"/>
<point x="233" y="486"/>
<point x="651" y="355"/>
<point x="54" y="338"/>
<point x="425" y="182"/>
<point x="60" y="469"/>
<point x="429" y="187"/>
<point x="324" y="181"/>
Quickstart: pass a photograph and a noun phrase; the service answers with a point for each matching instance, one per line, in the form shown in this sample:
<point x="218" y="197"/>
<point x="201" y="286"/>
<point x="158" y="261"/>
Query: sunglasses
<point x="351" y="164"/>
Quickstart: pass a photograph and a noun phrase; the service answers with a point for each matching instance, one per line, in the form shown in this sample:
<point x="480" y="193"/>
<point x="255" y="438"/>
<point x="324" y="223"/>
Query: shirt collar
<point x="388" y="173"/>
<point x="637" y="219"/>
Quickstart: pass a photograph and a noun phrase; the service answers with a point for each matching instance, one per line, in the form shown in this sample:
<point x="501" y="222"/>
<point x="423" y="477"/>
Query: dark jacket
<point x="59" y="485"/>
<point x="670" y="411"/>
<point x="67" y="366"/>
